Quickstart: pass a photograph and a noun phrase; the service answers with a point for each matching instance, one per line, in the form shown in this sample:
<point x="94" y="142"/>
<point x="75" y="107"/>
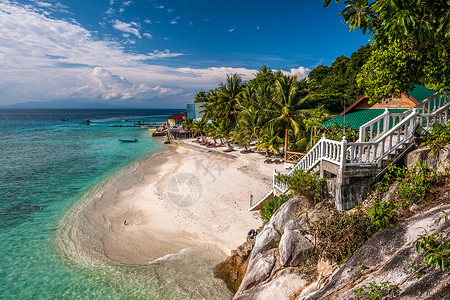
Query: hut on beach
<point x="176" y="119"/>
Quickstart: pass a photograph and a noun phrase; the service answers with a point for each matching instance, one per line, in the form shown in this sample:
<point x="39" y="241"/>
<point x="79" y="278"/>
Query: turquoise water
<point x="47" y="165"/>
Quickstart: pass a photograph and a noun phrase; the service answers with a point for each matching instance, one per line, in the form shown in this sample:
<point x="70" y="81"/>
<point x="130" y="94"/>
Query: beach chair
<point x="229" y="149"/>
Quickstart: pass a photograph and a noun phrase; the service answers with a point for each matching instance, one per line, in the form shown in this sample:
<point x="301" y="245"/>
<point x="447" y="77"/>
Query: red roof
<point x="176" y="117"/>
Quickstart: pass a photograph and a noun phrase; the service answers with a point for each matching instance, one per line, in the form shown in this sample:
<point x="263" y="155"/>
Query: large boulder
<point x="233" y="269"/>
<point x="281" y="288"/>
<point x="287" y="212"/>
<point x="294" y="249"/>
<point x="265" y="240"/>
<point x="444" y="159"/>
<point x="259" y="269"/>
<point x="414" y="156"/>
<point x="388" y="257"/>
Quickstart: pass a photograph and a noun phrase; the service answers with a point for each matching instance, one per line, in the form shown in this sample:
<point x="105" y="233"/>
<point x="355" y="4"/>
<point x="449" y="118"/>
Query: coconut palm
<point x="269" y="141"/>
<point x="249" y="126"/>
<point x="287" y="112"/>
<point x="226" y="106"/>
<point x="188" y="124"/>
<point x="199" y="127"/>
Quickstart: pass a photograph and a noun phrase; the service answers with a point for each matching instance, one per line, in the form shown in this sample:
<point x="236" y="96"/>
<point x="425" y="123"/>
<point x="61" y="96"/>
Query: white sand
<point x="184" y="198"/>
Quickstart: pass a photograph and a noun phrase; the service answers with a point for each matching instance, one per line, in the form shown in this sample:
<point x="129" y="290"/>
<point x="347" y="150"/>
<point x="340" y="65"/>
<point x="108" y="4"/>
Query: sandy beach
<point x="182" y="198"/>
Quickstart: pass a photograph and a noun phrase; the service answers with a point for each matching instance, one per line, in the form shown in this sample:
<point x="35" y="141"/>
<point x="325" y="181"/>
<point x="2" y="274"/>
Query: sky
<point x="156" y="53"/>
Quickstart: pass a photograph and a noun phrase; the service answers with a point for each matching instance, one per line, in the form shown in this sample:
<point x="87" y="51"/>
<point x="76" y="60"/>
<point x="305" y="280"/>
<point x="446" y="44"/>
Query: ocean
<point x="47" y="165"/>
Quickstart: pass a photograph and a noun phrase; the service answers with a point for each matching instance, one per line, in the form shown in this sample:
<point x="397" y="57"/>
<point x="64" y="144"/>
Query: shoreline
<point x="141" y="214"/>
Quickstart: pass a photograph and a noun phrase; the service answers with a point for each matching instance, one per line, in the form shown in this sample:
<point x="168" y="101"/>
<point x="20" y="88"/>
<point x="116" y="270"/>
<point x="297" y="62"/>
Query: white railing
<point x="253" y="205"/>
<point x="360" y="153"/>
<point x="432" y="103"/>
<point x="324" y="149"/>
<point x="378" y="138"/>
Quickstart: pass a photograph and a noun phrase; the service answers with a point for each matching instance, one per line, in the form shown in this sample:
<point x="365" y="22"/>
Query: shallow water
<point x="47" y="166"/>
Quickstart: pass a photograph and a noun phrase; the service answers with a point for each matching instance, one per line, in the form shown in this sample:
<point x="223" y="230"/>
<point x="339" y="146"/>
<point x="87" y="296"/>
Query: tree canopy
<point x="411" y="43"/>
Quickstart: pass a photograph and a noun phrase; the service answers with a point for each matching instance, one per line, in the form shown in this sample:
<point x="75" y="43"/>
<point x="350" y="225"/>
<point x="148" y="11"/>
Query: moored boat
<point x="129" y="141"/>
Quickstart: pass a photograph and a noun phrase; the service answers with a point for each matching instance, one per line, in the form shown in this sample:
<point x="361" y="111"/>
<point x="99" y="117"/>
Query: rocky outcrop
<point x="388" y="257"/>
<point x="294" y="249"/>
<point x="439" y="161"/>
<point x="233" y="269"/>
<point x="280" y="248"/>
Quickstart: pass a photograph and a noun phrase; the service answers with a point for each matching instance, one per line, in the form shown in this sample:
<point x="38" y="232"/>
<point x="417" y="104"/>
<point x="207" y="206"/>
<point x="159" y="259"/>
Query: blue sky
<point x="158" y="54"/>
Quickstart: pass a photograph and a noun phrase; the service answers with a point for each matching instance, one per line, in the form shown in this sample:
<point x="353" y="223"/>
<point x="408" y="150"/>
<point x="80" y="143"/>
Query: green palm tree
<point x="269" y="141"/>
<point x="188" y="124"/>
<point x="287" y="112"/>
<point x="248" y="127"/>
<point x="199" y="127"/>
<point x="226" y="106"/>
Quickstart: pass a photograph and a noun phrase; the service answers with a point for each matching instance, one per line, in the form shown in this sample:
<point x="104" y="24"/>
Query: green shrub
<point x="375" y="292"/>
<point x="438" y="138"/>
<point x="341" y="235"/>
<point x="436" y="248"/>
<point x="304" y="183"/>
<point x="415" y="183"/>
<point x="383" y="214"/>
<point x="271" y="206"/>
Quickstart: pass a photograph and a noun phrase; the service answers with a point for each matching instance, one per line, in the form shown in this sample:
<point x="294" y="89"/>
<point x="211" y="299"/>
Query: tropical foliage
<point x="410" y="44"/>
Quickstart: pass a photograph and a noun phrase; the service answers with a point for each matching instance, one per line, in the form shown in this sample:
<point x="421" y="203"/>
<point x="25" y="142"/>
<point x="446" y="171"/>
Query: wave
<point x="173" y="256"/>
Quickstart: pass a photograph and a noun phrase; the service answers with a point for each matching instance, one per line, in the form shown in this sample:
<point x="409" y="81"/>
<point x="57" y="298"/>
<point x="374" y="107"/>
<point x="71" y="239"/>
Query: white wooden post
<point x="386" y="120"/>
<point x="275" y="173"/>
<point x="344" y="152"/>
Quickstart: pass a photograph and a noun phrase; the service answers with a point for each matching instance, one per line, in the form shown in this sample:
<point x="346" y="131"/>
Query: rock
<point x="414" y="156"/>
<point x="265" y="240"/>
<point x="280" y="288"/>
<point x="444" y="159"/>
<point x="390" y="194"/>
<point x="233" y="269"/>
<point x="286" y="212"/>
<point x="317" y="213"/>
<point x="259" y="269"/>
<point x="387" y="257"/>
<point x="294" y="249"/>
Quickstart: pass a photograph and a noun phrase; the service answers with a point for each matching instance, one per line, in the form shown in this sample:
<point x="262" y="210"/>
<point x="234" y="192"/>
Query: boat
<point x="129" y="141"/>
<point x="86" y="122"/>
<point x="64" y="119"/>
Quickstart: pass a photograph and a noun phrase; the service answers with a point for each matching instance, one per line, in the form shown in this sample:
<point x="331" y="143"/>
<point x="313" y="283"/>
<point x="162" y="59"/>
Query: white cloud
<point x="148" y="21"/>
<point x="175" y="21"/>
<point x="127" y="27"/>
<point x="231" y="30"/>
<point x="300" y="72"/>
<point x="163" y="54"/>
<point x="43" y="4"/>
<point x="47" y="59"/>
<point x="148" y="35"/>
<point x="127" y="3"/>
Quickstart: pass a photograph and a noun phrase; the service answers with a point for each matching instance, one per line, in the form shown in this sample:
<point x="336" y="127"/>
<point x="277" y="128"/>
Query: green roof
<point x="360" y="117"/>
<point x="421" y="93"/>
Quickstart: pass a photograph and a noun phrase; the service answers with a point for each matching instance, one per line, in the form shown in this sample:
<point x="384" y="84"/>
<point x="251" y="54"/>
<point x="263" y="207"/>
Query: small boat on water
<point x="64" y="119"/>
<point x="129" y="141"/>
<point x="86" y="122"/>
